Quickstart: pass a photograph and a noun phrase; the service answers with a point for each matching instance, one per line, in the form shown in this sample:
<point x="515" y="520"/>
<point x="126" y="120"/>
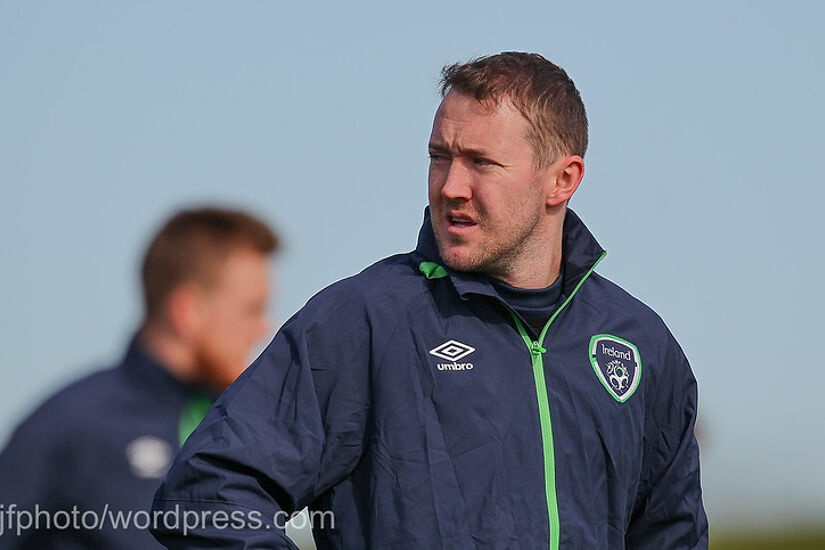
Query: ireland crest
<point x="617" y="363"/>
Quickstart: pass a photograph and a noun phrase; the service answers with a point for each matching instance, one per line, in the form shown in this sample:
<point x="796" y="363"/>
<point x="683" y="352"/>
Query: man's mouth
<point x="460" y="220"/>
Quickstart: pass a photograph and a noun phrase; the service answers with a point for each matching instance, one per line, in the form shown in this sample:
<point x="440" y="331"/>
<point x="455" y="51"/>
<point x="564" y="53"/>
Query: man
<point x="488" y="390"/>
<point x="87" y="462"/>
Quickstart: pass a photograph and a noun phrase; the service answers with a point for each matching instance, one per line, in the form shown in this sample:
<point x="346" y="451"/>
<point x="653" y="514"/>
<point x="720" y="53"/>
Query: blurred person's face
<point x="231" y="317"/>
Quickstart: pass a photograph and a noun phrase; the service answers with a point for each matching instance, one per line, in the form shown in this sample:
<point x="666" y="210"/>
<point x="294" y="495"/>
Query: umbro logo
<point x="452" y="350"/>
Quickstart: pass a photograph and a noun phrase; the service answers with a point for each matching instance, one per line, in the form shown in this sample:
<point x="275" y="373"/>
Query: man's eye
<point x="479" y="161"/>
<point x="434" y="157"/>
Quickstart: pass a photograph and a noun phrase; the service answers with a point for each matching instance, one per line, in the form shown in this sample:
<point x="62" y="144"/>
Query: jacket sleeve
<point x="287" y="430"/>
<point x="668" y="511"/>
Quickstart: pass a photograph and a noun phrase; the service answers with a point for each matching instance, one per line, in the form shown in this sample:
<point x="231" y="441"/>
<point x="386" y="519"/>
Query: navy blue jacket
<point x="409" y="401"/>
<point x="100" y="445"/>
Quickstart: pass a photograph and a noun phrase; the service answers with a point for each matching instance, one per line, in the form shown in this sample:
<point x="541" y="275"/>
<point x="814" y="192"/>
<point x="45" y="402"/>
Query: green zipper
<point x="537" y="351"/>
<point x="536" y="347"/>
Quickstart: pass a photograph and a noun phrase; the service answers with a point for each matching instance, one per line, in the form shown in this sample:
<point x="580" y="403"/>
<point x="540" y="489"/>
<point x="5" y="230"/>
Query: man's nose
<point x="458" y="184"/>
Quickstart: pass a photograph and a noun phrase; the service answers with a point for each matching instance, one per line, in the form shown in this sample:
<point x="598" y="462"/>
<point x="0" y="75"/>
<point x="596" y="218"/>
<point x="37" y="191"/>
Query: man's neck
<point x="539" y="264"/>
<point x="169" y="351"/>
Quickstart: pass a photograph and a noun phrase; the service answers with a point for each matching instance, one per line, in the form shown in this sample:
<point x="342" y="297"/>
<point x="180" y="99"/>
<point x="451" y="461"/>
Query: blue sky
<point x="702" y="179"/>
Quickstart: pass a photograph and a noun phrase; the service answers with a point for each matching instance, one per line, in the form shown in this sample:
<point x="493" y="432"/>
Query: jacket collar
<point x="580" y="252"/>
<point x="144" y="369"/>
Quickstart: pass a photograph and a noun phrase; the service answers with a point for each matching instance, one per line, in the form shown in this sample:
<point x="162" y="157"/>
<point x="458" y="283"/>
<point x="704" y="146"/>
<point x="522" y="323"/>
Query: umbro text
<point x="454" y="366"/>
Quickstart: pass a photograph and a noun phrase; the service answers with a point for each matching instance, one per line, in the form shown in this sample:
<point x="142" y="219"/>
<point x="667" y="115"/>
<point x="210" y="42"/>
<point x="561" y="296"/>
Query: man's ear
<point x="183" y="309"/>
<point x="567" y="174"/>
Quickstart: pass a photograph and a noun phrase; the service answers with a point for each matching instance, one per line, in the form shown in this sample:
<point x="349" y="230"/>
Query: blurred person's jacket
<point x="93" y="455"/>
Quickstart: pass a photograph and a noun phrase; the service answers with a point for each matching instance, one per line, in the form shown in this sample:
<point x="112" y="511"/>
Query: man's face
<point x="232" y="316"/>
<point x="487" y="198"/>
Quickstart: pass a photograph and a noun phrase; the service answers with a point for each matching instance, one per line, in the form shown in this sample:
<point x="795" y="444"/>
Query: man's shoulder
<point x="390" y="283"/>
<point x="617" y="302"/>
<point x="397" y="273"/>
<point x="78" y="403"/>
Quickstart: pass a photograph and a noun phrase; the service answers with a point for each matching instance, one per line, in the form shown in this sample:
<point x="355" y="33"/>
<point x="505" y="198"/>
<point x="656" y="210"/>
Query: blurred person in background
<point x="103" y="443"/>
